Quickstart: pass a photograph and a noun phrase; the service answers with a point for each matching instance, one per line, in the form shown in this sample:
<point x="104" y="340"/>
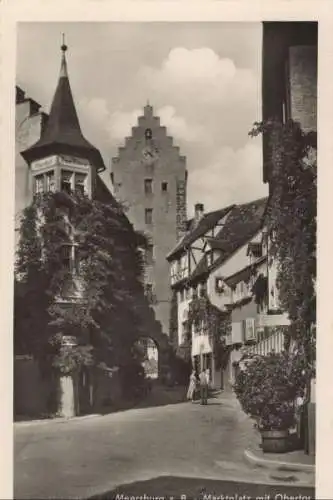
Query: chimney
<point x="198" y="211"/>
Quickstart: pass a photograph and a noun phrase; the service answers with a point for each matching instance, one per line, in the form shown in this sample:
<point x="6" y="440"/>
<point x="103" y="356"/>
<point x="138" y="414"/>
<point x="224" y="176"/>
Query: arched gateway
<point x="151" y="329"/>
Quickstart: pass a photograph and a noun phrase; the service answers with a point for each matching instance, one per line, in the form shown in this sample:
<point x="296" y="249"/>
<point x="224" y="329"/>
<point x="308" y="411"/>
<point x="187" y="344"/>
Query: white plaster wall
<point x="237" y="262"/>
<point x="183" y="307"/>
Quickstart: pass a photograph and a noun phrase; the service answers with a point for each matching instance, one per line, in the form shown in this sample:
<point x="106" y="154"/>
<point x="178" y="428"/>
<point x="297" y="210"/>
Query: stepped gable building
<point x="149" y="177"/>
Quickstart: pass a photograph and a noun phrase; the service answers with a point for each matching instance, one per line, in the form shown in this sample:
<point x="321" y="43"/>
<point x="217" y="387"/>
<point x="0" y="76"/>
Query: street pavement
<point x="161" y="445"/>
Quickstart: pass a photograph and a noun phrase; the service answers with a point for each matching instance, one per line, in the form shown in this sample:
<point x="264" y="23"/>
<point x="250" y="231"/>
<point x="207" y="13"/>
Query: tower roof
<point x="62" y="132"/>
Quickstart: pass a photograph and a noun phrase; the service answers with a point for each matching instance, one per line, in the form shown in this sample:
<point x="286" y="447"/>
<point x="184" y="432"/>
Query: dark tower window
<point x="149" y="216"/>
<point x="148" y="133"/>
<point x="148" y="186"/>
<point x="164" y="187"/>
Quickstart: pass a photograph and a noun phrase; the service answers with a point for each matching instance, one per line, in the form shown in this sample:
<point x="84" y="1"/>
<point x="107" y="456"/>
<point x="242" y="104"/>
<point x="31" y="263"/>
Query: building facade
<point x="29" y="123"/>
<point x="215" y="263"/>
<point x="149" y="178"/>
<point x="289" y="91"/>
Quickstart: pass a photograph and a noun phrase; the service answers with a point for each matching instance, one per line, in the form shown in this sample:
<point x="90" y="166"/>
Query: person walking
<point x="192" y="387"/>
<point x="203" y="387"/>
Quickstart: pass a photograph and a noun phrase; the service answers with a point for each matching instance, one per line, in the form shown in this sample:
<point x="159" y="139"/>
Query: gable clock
<point x="150" y="151"/>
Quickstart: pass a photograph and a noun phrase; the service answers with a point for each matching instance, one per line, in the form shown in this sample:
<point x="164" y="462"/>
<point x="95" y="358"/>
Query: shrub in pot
<point x="267" y="387"/>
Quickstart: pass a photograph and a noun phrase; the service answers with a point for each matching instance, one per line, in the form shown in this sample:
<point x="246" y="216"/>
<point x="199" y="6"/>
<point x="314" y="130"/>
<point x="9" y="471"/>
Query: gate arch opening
<point x="148" y="352"/>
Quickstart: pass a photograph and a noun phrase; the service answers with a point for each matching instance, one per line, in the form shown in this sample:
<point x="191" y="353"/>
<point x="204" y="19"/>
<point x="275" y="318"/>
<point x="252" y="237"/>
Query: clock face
<point x="149" y="154"/>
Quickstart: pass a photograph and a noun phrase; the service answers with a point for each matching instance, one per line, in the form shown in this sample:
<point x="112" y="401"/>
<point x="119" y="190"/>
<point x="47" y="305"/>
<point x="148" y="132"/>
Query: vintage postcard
<point x="164" y="269"/>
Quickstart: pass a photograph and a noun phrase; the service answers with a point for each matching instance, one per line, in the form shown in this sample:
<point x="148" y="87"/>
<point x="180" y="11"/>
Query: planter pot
<point x="275" y="441"/>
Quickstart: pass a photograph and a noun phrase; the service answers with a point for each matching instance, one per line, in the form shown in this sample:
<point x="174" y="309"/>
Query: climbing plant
<point x="105" y="280"/>
<point x="291" y="224"/>
<point x="204" y="315"/>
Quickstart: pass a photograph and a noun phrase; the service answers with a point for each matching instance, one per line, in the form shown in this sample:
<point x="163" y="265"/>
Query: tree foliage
<point x="291" y="223"/>
<point x="96" y="299"/>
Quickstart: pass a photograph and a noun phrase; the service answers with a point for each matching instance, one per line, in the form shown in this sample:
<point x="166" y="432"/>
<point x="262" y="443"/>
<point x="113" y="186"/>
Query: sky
<point x="202" y="79"/>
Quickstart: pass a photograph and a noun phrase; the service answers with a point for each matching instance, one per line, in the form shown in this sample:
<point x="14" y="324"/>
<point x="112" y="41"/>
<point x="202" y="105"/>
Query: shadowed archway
<point x="151" y="329"/>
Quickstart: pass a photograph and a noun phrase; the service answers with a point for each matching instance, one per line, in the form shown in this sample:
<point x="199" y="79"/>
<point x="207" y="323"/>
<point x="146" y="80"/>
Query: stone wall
<point x="303" y="86"/>
<point x="31" y="389"/>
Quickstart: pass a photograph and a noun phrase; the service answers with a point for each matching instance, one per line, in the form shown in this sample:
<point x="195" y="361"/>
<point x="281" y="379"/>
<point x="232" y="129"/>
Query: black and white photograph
<point x="165" y="255"/>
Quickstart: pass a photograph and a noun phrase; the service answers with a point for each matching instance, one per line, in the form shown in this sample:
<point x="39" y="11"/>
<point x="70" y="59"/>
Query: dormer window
<point x="39" y="184"/>
<point x="73" y="181"/>
<point x="66" y="181"/>
<point x="79" y="183"/>
<point x="50" y="182"/>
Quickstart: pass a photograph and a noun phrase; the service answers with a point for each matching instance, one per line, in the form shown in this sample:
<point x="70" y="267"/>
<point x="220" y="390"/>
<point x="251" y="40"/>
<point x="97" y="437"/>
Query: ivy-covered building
<point x="79" y="256"/>
<point x="289" y="112"/>
<point x="214" y="271"/>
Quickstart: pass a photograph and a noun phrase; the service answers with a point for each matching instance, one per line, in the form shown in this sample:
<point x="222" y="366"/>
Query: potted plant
<point x="267" y="388"/>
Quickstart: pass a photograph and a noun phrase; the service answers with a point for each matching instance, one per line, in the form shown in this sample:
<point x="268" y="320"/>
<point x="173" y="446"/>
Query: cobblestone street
<point x="94" y="455"/>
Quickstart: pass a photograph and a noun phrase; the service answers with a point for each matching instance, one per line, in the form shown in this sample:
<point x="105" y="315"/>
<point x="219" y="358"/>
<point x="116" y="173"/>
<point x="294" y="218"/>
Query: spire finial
<point x="63" y="69"/>
<point x="63" y="46"/>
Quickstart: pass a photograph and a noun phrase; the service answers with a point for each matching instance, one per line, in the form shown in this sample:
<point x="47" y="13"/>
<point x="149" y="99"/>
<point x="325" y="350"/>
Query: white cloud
<point x="121" y="123"/>
<point x="232" y="176"/>
<point x="201" y="73"/>
<point x="117" y="124"/>
<point x="208" y="105"/>
<point x="179" y="127"/>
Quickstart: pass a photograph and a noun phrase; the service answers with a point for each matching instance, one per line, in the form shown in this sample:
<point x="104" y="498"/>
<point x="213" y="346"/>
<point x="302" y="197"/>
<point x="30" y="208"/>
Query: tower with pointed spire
<point x="62" y="159"/>
<point x="149" y="177"/>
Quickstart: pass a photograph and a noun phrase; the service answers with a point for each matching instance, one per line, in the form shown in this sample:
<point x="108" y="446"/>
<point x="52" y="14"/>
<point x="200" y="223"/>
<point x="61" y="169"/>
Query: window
<point x="148" y="215"/>
<point x="148" y="133"/>
<point x="70" y="258"/>
<point x="39" y="184"/>
<point x="149" y="254"/>
<point x="80" y="180"/>
<point x="219" y="285"/>
<point x="164" y="187"/>
<point x="77" y="260"/>
<point x="66" y="181"/>
<point x="50" y="182"/>
<point x="148" y="186"/>
<point x="66" y="257"/>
